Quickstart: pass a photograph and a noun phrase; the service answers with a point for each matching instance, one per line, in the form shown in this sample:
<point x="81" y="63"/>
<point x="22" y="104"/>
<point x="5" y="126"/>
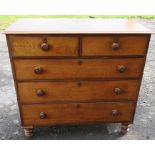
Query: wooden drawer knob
<point x="114" y="112"/>
<point x="43" y="115"/>
<point x="117" y="91"/>
<point x="115" y="46"/>
<point x="45" y="46"/>
<point x="40" y="92"/>
<point x="121" y="69"/>
<point x="38" y="70"/>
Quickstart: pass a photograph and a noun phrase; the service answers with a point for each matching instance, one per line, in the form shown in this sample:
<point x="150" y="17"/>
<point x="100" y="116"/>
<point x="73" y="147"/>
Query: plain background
<point x="77" y="7"/>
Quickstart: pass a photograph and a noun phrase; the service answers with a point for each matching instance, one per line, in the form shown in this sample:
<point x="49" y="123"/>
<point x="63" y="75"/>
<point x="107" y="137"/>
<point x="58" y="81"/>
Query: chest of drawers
<point x="76" y="71"/>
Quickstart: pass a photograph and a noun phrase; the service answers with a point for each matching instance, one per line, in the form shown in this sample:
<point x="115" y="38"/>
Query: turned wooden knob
<point x="45" y="46"/>
<point x="40" y="92"/>
<point x="114" y="112"/>
<point x="117" y="91"/>
<point x="38" y="70"/>
<point x="43" y="115"/>
<point x="115" y="46"/>
<point x="121" y="69"/>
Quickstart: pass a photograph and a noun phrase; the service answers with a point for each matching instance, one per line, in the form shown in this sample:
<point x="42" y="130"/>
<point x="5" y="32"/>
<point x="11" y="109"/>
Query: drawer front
<point x="114" y="46"/>
<point x="32" y="92"/>
<point x="75" y="113"/>
<point x="39" y="46"/>
<point x="71" y="68"/>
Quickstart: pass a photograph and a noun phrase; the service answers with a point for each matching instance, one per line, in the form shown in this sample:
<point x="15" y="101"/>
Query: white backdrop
<point x="78" y="7"/>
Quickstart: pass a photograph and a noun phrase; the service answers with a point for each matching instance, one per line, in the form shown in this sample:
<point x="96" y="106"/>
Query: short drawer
<point x="68" y="113"/>
<point x="37" y="92"/>
<point x="71" y="68"/>
<point x="112" y="45"/>
<point x="39" y="45"/>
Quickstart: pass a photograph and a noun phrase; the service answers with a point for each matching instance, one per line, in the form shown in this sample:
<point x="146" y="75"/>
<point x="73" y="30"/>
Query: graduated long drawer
<point x="73" y="68"/>
<point x="37" y="92"/>
<point x="68" y="113"/>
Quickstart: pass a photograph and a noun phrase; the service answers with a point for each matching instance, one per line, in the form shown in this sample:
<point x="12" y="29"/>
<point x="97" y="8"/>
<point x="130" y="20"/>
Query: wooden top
<point x="76" y="26"/>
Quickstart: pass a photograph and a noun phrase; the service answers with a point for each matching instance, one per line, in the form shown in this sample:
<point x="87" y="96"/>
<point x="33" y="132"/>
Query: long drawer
<point x="67" y="113"/>
<point x="41" y="45"/>
<point x="114" y="45"/>
<point x="36" y="92"/>
<point x="30" y="69"/>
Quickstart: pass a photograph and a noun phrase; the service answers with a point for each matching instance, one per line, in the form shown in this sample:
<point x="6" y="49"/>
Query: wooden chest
<point x="73" y="71"/>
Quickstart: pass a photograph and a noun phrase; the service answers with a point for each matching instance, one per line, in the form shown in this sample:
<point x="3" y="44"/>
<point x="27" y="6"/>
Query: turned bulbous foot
<point x="28" y="131"/>
<point x="124" y="128"/>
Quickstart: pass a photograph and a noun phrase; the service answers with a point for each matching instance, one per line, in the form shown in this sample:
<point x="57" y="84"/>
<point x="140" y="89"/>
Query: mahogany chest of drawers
<point x="76" y="71"/>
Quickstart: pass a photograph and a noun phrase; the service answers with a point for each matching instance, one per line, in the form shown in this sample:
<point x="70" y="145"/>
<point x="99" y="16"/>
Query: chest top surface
<point x="76" y="26"/>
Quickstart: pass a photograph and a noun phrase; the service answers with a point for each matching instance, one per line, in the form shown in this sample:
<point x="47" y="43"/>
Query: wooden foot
<point x="124" y="128"/>
<point x="28" y="131"/>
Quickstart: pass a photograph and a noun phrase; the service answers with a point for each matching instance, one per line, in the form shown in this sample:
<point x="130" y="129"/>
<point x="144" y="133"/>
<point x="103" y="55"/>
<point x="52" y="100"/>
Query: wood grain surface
<point x="31" y="45"/>
<point x="77" y="91"/>
<point x="76" y="113"/>
<point x="72" y="26"/>
<point x="102" y="45"/>
<point x="77" y="68"/>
